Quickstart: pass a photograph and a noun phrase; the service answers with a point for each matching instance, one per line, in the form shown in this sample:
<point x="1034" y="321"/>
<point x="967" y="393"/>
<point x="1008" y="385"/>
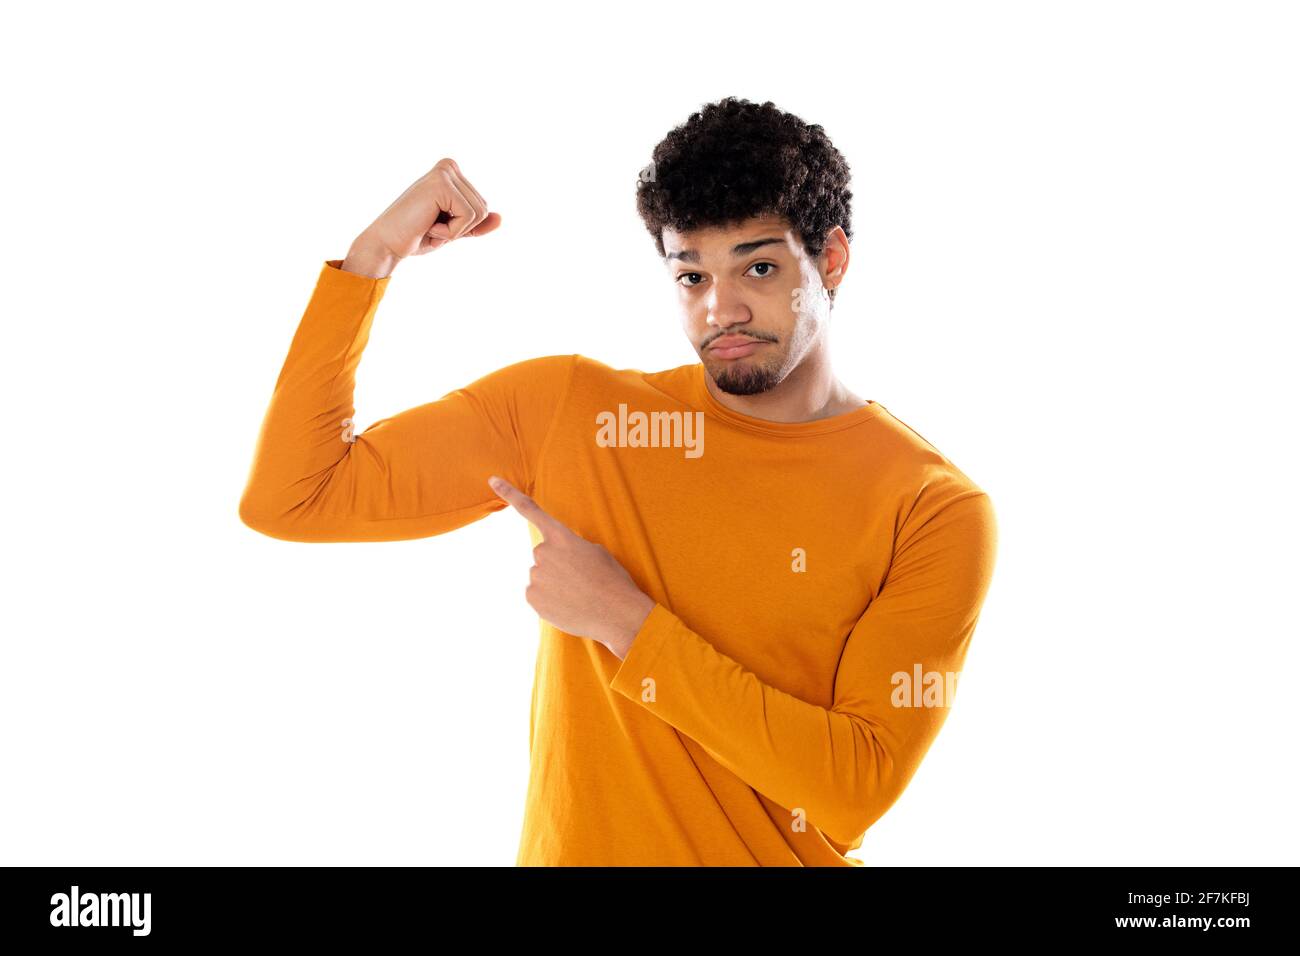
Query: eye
<point x="770" y="268"/>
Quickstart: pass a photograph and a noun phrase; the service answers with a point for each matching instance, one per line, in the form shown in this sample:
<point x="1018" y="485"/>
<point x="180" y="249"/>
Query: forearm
<point x="307" y="431"/>
<point x="830" y="765"/>
<point x="847" y="763"/>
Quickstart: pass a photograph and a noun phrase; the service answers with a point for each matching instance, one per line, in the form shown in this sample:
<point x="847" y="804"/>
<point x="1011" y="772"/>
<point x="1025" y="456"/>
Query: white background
<point x="1074" y="271"/>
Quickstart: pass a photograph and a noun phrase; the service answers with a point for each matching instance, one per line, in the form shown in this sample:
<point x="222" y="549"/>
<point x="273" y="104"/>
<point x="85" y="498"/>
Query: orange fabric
<point x="817" y="586"/>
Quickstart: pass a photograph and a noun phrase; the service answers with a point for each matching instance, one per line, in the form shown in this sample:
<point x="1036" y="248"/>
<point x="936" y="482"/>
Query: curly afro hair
<point x="735" y="159"/>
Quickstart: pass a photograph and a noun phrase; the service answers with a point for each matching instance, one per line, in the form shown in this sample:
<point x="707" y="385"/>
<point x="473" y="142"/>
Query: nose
<point x="726" y="308"/>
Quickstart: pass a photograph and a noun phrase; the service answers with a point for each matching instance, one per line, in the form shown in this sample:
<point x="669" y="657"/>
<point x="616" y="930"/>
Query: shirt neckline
<point x="762" y="426"/>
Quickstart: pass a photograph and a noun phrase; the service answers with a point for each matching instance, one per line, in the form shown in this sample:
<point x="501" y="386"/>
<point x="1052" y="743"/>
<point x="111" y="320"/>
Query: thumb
<point x="490" y="222"/>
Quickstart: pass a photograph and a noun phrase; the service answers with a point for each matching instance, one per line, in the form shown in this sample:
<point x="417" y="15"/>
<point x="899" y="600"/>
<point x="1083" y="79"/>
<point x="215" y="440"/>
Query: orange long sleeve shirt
<point x="816" y="584"/>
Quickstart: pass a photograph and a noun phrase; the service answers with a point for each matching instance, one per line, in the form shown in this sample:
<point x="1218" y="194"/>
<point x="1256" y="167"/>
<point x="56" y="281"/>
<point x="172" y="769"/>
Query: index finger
<point x="527" y="507"/>
<point x="466" y="183"/>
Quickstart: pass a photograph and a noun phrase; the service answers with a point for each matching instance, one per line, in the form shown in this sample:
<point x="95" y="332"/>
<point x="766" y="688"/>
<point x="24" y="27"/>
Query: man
<point x="748" y="643"/>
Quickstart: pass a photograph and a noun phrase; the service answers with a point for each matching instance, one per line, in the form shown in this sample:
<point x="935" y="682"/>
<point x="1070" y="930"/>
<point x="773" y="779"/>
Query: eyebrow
<point x="741" y="249"/>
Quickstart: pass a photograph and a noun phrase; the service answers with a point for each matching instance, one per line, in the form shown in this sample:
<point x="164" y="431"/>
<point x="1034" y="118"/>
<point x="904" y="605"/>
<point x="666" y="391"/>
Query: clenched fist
<point x="439" y="207"/>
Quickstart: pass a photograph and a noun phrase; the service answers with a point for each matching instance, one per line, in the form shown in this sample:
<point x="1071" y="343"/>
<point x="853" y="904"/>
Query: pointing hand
<point x="577" y="585"/>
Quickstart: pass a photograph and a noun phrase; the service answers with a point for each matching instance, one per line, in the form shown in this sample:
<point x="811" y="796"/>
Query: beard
<point x="743" y="377"/>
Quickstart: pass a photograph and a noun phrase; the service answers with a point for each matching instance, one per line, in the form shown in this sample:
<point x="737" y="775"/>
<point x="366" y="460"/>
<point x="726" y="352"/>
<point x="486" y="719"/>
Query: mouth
<point x="735" y="351"/>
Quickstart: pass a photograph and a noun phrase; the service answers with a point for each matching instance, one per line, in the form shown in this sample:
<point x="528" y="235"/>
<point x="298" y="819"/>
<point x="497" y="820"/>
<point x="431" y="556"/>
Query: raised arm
<point x="415" y="474"/>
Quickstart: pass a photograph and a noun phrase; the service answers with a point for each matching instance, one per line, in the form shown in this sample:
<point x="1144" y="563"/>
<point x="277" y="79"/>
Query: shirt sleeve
<point x="419" y="473"/>
<point x="845" y="765"/>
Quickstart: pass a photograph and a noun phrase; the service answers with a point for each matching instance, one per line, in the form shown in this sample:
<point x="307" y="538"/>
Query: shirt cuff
<point x="646" y="647"/>
<point x="333" y="271"/>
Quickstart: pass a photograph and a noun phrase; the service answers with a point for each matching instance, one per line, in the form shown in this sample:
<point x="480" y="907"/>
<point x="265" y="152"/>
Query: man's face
<point x="753" y="285"/>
